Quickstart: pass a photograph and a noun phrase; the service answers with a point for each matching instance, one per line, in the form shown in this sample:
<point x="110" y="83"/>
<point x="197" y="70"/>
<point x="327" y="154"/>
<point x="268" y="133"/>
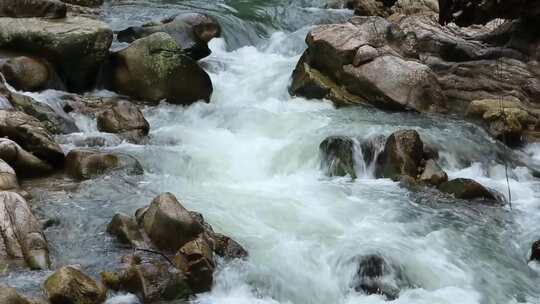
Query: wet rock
<point x="467" y="189"/>
<point x="21" y="232"/>
<point x="69" y="285"/>
<point x="24" y="163"/>
<point x="196" y="259"/>
<point x="85" y="163"/>
<point x="168" y="224"/>
<point x="76" y="46"/>
<point x="338" y="156"/>
<point x="535" y="251"/>
<point x="369" y="7"/>
<point x="228" y="248"/>
<point x="54" y="122"/>
<point x="373" y="277"/>
<point x="191" y="31"/>
<point x="31" y="135"/>
<point x="124" y="119"/>
<point x="433" y="174"/>
<point x="9" y="295"/>
<point x="32" y="8"/>
<point x="465" y="13"/>
<point x="8" y="178"/>
<point x="125" y="228"/>
<point x="402" y="155"/>
<point x="26" y="73"/>
<point x="151" y="280"/>
<point x="88" y="3"/>
<point x="385" y="8"/>
<point x="155" y="68"/>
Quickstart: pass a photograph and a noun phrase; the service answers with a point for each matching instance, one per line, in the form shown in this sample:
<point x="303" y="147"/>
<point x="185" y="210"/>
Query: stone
<point x="31" y="135"/>
<point x="21" y="232"/>
<point x="24" y="163"/>
<point x="52" y="9"/>
<point x="125" y="119"/>
<point x="191" y="31"/>
<point x="155" y="68"/>
<point x="9" y="295"/>
<point x="228" y="248"/>
<point x="26" y="73"/>
<point x="88" y="3"/>
<point x="8" y="177"/>
<point x="365" y="54"/>
<point x="196" y="259"/>
<point x="535" y="251"/>
<point x="168" y="224"/>
<point x="372" y="270"/>
<point x="338" y="156"/>
<point x="69" y="285"/>
<point x="402" y="155"/>
<point x="433" y="174"/>
<point x="86" y="163"/>
<point x="76" y="46"/>
<point x="126" y="230"/>
<point x="467" y="189"/>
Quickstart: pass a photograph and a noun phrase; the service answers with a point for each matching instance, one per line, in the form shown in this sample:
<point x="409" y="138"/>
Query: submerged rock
<point x="85" y="163"/>
<point x="125" y="119"/>
<point x="467" y="189"/>
<point x="191" y="31"/>
<point x="69" y="285"/>
<point x="402" y="155"/>
<point x="168" y="224"/>
<point x="31" y="135"/>
<point x="338" y="156"/>
<point x="155" y="68"/>
<point x="375" y="276"/>
<point x="125" y="228"/>
<point x="21" y="232"/>
<point x="76" y="46"/>
<point x="32" y="8"/>
<point x="535" y="251"/>
<point x="26" y="73"/>
<point x="24" y="163"/>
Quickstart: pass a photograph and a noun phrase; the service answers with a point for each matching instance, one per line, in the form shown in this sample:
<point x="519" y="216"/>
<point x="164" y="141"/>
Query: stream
<point x="249" y="162"/>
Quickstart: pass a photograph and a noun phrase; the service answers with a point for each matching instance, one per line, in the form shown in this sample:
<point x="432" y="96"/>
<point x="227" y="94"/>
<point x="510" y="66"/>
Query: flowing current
<point x="249" y="162"/>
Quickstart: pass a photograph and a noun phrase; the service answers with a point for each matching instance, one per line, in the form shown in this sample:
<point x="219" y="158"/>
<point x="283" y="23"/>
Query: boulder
<point x="228" y="248"/>
<point x="8" y="178"/>
<point x="26" y="73"/>
<point x="373" y="277"/>
<point x="168" y="224"/>
<point x="9" y="295"/>
<point x="535" y="251"/>
<point x="152" y="280"/>
<point x="31" y="135"/>
<point x="88" y="3"/>
<point x="32" y="8"/>
<point x="125" y="119"/>
<point x="24" y="163"/>
<point x="76" y="46"/>
<point x="469" y="12"/>
<point x="86" y="163"/>
<point x="196" y="259"/>
<point x="369" y="7"/>
<point x="53" y="121"/>
<point x="338" y="156"/>
<point x="467" y="189"/>
<point x="385" y="8"/>
<point x="155" y="68"/>
<point x="69" y="285"/>
<point x="433" y="174"/>
<point x="191" y="31"/>
<point x="127" y="231"/>
<point x="21" y="232"/>
<point x="402" y="155"/>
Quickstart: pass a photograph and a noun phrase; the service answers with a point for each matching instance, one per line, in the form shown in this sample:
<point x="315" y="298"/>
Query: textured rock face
<point x="21" y="232"/>
<point x="76" y="46"/>
<point x="338" y="156"/>
<point x="8" y="178"/>
<point x="468" y="12"/>
<point x="24" y="163"/>
<point x="402" y="155"/>
<point x="155" y="68"/>
<point x="26" y="73"/>
<point x="70" y="285"/>
<point x="125" y="119"/>
<point x="191" y="31"/>
<point x="85" y="163"/>
<point x="31" y="135"/>
<point x="358" y="62"/>
<point x="32" y="8"/>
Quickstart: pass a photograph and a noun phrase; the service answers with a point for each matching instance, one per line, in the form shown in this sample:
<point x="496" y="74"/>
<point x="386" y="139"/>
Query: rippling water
<point x="249" y="162"/>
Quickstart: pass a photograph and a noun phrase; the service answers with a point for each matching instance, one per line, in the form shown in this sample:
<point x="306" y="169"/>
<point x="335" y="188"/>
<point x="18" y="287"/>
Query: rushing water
<point x="249" y="162"/>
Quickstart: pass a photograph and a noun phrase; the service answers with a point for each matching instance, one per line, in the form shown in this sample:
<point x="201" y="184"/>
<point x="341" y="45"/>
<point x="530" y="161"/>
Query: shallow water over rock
<point x="249" y="162"/>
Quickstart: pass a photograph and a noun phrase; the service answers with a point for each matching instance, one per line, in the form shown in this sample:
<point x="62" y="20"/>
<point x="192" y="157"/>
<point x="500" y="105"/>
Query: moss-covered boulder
<point x="156" y="68"/>
<point x="69" y="285"/>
